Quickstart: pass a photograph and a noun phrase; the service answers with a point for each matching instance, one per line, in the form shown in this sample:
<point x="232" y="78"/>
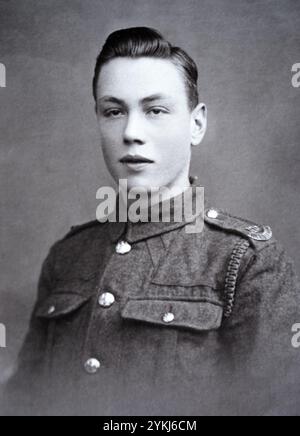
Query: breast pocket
<point x="64" y="315"/>
<point x="60" y="305"/>
<point x="176" y="330"/>
<point x="195" y="308"/>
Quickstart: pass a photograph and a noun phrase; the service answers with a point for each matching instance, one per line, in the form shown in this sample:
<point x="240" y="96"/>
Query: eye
<point x="113" y="113"/>
<point x="157" y="111"/>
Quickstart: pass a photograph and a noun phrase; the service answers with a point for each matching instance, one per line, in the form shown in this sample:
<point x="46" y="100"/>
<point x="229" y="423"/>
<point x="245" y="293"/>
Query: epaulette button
<point x="212" y="214"/>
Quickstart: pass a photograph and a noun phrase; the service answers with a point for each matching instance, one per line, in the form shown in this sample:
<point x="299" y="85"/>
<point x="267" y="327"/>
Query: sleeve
<point x="260" y="331"/>
<point x="20" y="392"/>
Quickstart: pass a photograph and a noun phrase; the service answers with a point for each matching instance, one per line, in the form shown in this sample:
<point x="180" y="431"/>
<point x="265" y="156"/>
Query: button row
<point x="93" y="365"/>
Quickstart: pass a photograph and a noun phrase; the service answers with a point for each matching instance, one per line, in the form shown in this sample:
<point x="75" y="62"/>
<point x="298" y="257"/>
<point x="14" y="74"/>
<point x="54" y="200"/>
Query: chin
<point x="141" y="181"/>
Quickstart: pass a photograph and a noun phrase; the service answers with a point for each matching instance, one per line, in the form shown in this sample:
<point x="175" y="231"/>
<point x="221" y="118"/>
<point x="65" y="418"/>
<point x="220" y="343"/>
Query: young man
<point x="147" y="318"/>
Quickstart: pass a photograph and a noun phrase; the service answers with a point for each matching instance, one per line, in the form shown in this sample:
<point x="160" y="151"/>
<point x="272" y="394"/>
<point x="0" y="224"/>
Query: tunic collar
<point x="134" y="232"/>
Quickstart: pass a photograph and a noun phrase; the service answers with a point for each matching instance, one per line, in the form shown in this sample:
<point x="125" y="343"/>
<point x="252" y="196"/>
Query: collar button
<point x="123" y="247"/>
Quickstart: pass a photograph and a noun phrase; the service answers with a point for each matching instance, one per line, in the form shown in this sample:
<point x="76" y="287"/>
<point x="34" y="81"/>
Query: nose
<point x="134" y="131"/>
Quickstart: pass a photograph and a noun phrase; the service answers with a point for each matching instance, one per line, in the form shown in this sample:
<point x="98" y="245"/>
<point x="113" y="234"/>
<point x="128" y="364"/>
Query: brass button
<point x="168" y="317"/>
<point x="212" y="214"/>
<point x="92" y="366"/>
<point x="51" y="310"/>
<point x="106" y="299"/>
<point x="123" y="247"/>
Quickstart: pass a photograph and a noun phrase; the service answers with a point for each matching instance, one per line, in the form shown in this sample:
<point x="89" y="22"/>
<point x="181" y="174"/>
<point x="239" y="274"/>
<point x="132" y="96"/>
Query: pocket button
<point x="51" y="310"/>
<point x="168" y="317"/>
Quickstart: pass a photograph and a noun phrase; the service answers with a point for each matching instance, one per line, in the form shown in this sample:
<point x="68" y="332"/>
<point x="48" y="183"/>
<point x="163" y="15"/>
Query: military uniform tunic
<point x="147" y="318"/>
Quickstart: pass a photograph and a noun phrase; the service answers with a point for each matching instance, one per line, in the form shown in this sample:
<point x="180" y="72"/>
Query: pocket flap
<point x="196" y="315"/>
<point x="58" y="305"/>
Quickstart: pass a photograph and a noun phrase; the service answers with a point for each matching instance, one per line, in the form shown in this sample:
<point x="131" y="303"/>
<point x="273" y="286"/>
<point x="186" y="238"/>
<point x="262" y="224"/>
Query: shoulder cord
<point x="232" y="275"/>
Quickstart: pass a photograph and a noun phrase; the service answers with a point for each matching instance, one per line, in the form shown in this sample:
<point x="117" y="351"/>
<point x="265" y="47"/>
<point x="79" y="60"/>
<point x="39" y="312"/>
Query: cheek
<point x="175" y="141"/>
<point x="110" y="141"/>
<point x="177" y="127"/>
<point x="107" y="134"/>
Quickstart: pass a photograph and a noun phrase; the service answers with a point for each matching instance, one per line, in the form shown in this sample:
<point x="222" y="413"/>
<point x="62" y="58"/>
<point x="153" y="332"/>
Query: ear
<point x="198" y="124"/>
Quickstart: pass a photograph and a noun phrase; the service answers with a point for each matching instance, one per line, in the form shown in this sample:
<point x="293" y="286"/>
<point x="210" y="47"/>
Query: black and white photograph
<point x="150" y="161"/>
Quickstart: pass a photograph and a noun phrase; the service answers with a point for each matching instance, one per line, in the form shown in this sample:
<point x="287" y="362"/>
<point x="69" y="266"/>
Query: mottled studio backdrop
<point x="51" y="163"/>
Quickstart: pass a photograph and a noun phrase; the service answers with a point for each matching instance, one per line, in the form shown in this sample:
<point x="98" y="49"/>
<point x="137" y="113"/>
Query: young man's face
<point x="145" y="123"/>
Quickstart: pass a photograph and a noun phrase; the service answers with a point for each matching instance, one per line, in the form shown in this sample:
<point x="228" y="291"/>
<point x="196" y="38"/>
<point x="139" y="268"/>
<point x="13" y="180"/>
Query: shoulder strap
<point x="253" y="232"/>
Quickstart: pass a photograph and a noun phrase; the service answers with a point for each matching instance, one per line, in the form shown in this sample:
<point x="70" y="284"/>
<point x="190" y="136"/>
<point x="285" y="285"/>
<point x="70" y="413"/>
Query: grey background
<point x="51" y="163"/>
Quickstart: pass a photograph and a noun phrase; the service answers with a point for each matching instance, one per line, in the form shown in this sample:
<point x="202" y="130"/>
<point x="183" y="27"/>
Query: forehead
<point x="129" y="79"/>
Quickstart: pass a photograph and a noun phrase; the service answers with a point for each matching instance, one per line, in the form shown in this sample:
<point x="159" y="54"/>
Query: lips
<point x="135" y="159"/>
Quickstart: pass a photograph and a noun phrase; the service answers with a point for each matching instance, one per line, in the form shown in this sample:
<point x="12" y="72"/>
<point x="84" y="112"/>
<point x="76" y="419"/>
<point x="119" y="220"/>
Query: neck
<point x="156" y="195"/>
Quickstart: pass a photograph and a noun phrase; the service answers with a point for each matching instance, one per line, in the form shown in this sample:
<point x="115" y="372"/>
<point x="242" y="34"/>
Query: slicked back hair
<point x="138" y="42"/>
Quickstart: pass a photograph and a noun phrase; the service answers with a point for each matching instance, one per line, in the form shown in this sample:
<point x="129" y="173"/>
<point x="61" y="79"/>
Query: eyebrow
<point x="149" y="99"/>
